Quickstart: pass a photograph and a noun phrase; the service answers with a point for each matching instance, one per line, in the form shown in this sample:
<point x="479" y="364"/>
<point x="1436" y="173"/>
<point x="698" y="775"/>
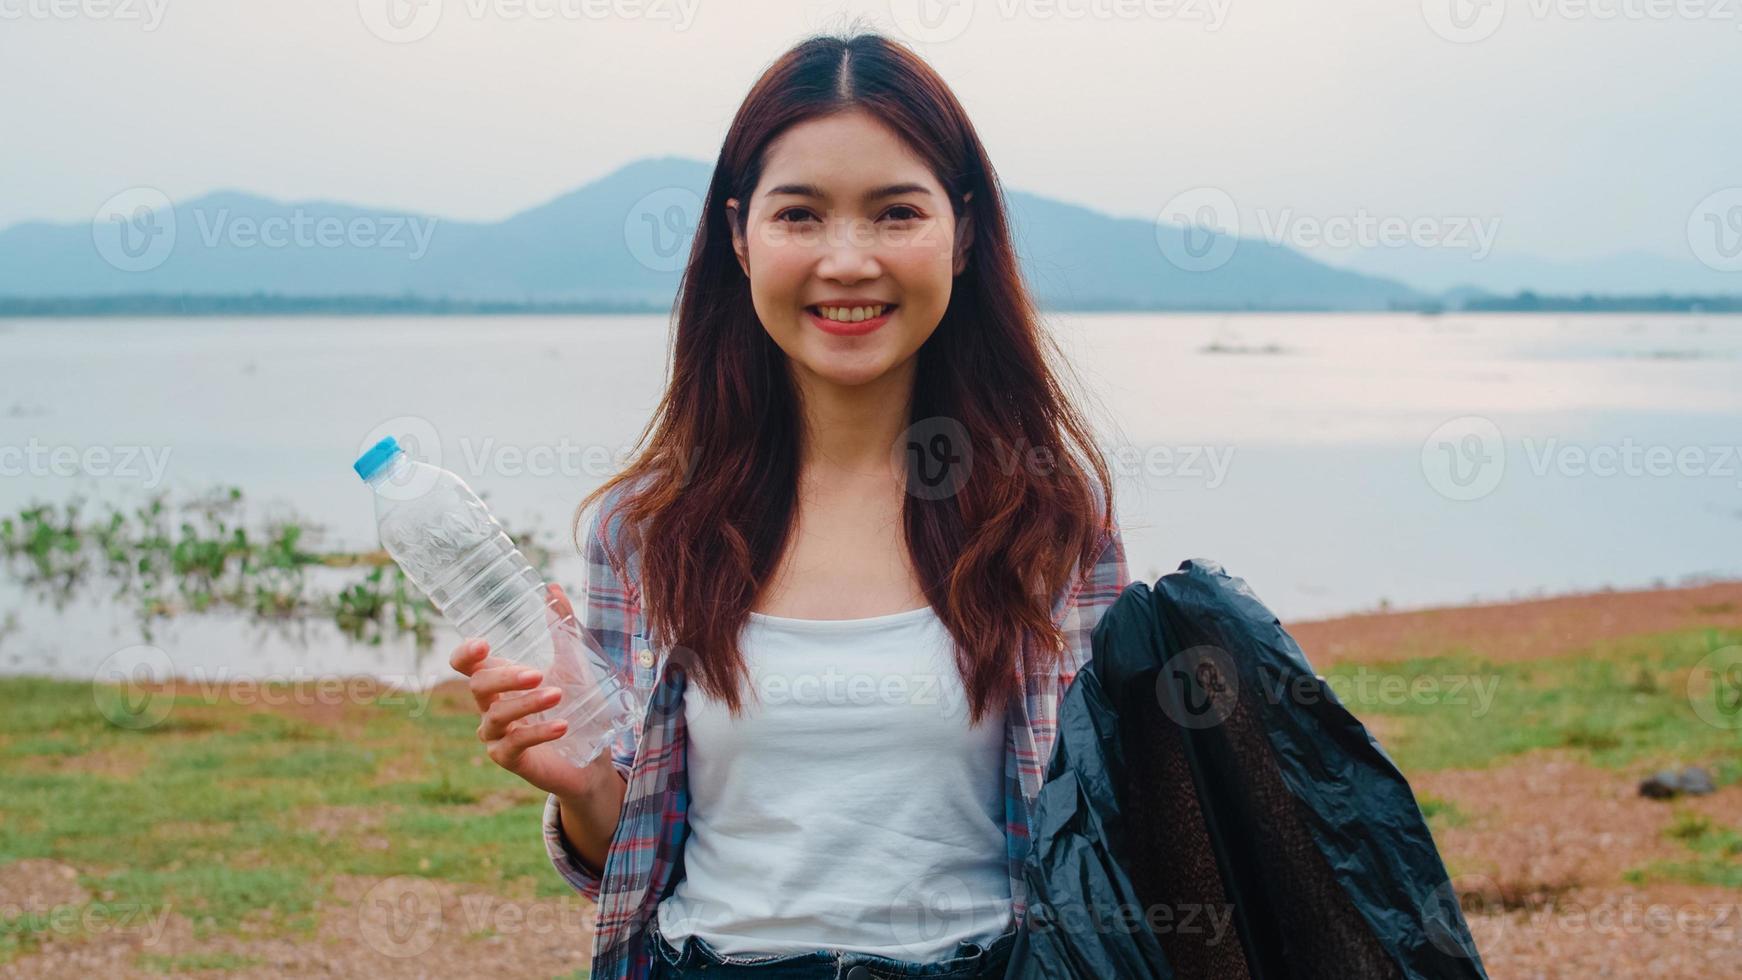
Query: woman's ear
<point x="964" y="236"/>
<point x="739" y="246"/>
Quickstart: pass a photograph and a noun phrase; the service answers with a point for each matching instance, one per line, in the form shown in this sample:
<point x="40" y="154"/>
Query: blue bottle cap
<point x="371" y="462"/>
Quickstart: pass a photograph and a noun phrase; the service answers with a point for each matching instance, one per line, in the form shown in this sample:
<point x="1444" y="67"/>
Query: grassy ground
<point x="244" y="819"/>
<point x="264" y="832"/>
<point x="1623" y="706"/>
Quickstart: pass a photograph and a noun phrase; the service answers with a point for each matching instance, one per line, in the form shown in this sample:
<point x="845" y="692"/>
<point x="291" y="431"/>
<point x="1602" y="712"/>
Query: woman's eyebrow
<point x="812" y="190"/>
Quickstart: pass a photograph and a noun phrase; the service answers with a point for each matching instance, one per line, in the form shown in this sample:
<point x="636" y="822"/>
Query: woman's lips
<point x="842" y="329"/>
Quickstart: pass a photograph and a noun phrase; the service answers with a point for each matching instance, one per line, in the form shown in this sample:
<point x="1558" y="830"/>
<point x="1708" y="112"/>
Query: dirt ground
<point x="1540" y="864"/>
<point x="1516" y="631"/>
<point x="1541" y="858"/>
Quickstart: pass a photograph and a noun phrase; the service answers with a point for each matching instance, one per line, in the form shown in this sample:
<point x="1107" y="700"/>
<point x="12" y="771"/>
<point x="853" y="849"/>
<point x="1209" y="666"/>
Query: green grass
<point x="1441" y="813"/>
<point x="208" y="815"/>
<point x="1716" y="857"/>
<point x="1620" y="704"/>
<point x="195" y="962"/>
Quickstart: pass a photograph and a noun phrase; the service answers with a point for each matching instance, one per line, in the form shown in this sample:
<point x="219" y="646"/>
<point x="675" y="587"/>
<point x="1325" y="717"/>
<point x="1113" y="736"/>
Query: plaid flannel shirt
<point x="648" y="844"/>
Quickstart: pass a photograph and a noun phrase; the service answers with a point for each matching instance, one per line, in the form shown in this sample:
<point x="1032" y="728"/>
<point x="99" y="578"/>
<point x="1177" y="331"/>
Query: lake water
<point x="1336" y="462"/>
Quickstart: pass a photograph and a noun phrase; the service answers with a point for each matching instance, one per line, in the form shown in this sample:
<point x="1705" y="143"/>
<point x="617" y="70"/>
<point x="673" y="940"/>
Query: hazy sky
<point x="1585" y="126"/>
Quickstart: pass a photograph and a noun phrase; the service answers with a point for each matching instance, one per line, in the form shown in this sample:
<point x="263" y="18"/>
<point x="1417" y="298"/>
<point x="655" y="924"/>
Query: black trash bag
<point x="1211" y="810"/>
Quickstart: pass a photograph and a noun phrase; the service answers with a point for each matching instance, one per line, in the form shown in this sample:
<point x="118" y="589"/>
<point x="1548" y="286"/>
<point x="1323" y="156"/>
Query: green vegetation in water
<point x="202" y="556"/>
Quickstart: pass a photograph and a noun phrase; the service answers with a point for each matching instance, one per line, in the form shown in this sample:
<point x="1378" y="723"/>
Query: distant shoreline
<point x="262" y="304"/>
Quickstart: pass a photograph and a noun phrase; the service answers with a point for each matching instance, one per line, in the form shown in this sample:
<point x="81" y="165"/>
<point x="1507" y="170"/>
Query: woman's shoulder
<point x="609" y="548"/>
<point x="1100" y="581"/>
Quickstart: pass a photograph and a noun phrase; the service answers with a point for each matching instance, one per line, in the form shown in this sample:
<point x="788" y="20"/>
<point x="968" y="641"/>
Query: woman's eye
<point x="790" y="213"/>
<point x="902" y="212"/>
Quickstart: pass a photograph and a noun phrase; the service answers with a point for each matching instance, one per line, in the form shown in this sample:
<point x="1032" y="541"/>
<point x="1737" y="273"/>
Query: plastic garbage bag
<point x="1211" y="810"/>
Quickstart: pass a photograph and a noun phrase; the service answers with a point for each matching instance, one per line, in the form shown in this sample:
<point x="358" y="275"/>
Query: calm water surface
<point x="1336" y="462"/>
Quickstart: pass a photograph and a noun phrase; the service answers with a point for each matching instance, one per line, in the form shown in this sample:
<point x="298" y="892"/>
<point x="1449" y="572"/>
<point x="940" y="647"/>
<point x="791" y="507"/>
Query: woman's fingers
<point x="505" y="711"/>
<point x="506" y="694"/>
<point x="469" y="655"/>
<point x="506" y="751"/>
<point x="498" y="677"/>
<point x="560" y="600"/>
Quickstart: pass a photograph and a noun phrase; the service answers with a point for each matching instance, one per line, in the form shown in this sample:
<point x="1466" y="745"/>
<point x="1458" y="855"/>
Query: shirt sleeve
<point x="1100" y="588"/>
<point x="608" y="620"/>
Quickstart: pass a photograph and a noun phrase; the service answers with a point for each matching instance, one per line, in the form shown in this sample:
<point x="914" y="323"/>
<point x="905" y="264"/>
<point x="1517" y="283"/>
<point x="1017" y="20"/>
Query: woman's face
<point x="851" y="247"/>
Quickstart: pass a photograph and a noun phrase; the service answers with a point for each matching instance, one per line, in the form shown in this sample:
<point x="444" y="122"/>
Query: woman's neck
<point x="850" y="430"/>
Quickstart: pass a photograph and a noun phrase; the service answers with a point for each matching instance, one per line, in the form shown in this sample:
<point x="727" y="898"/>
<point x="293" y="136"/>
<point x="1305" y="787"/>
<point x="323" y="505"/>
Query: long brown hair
<point x="713" y="482"/>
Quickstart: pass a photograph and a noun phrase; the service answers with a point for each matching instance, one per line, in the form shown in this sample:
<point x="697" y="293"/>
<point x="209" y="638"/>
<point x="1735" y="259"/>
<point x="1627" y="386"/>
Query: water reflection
<point x="161" y="562"/>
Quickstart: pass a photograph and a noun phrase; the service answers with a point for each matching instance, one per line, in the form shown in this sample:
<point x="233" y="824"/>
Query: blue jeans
<point x="695" y="958"/>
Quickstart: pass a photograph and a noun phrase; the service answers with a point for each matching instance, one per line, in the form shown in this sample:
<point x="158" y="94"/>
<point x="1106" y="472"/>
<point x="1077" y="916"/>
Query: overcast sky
<point x="1587" y="126"/>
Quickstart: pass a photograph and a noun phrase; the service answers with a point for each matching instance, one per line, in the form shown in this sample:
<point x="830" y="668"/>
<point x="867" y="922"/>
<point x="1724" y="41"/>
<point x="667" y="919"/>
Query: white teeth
<point x="851" y="314"/>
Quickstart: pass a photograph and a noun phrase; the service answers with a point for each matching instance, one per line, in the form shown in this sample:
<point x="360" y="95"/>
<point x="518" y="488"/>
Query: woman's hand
<point x="519" y="746"/>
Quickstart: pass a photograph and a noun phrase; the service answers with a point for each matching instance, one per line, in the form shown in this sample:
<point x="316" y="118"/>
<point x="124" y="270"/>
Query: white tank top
<point x="851" y="807"/>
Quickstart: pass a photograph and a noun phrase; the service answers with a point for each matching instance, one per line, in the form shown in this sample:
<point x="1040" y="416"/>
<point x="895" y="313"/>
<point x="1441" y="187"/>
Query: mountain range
<point x="619" y="241"/>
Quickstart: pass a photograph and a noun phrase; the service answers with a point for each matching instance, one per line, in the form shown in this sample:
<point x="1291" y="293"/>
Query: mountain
<point x="1506" y="272"/>
<point x="618" y="239"/>
<point x="1075" y="258"/>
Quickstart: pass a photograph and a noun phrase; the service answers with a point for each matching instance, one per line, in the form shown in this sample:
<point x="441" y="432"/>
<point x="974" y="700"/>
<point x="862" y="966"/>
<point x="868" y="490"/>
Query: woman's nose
<point x="849" y="252"/>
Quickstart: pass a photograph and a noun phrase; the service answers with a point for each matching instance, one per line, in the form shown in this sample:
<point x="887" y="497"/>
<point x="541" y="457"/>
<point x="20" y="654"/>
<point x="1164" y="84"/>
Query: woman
<point x="852" y="570"/>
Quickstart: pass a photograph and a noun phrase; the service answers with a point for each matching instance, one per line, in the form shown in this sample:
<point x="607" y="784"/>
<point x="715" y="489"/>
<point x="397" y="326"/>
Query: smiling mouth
<point x="851" y="314"/>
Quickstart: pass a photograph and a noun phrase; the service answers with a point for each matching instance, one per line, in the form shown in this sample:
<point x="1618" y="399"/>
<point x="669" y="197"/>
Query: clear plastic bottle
<point x="444" y="538"/>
